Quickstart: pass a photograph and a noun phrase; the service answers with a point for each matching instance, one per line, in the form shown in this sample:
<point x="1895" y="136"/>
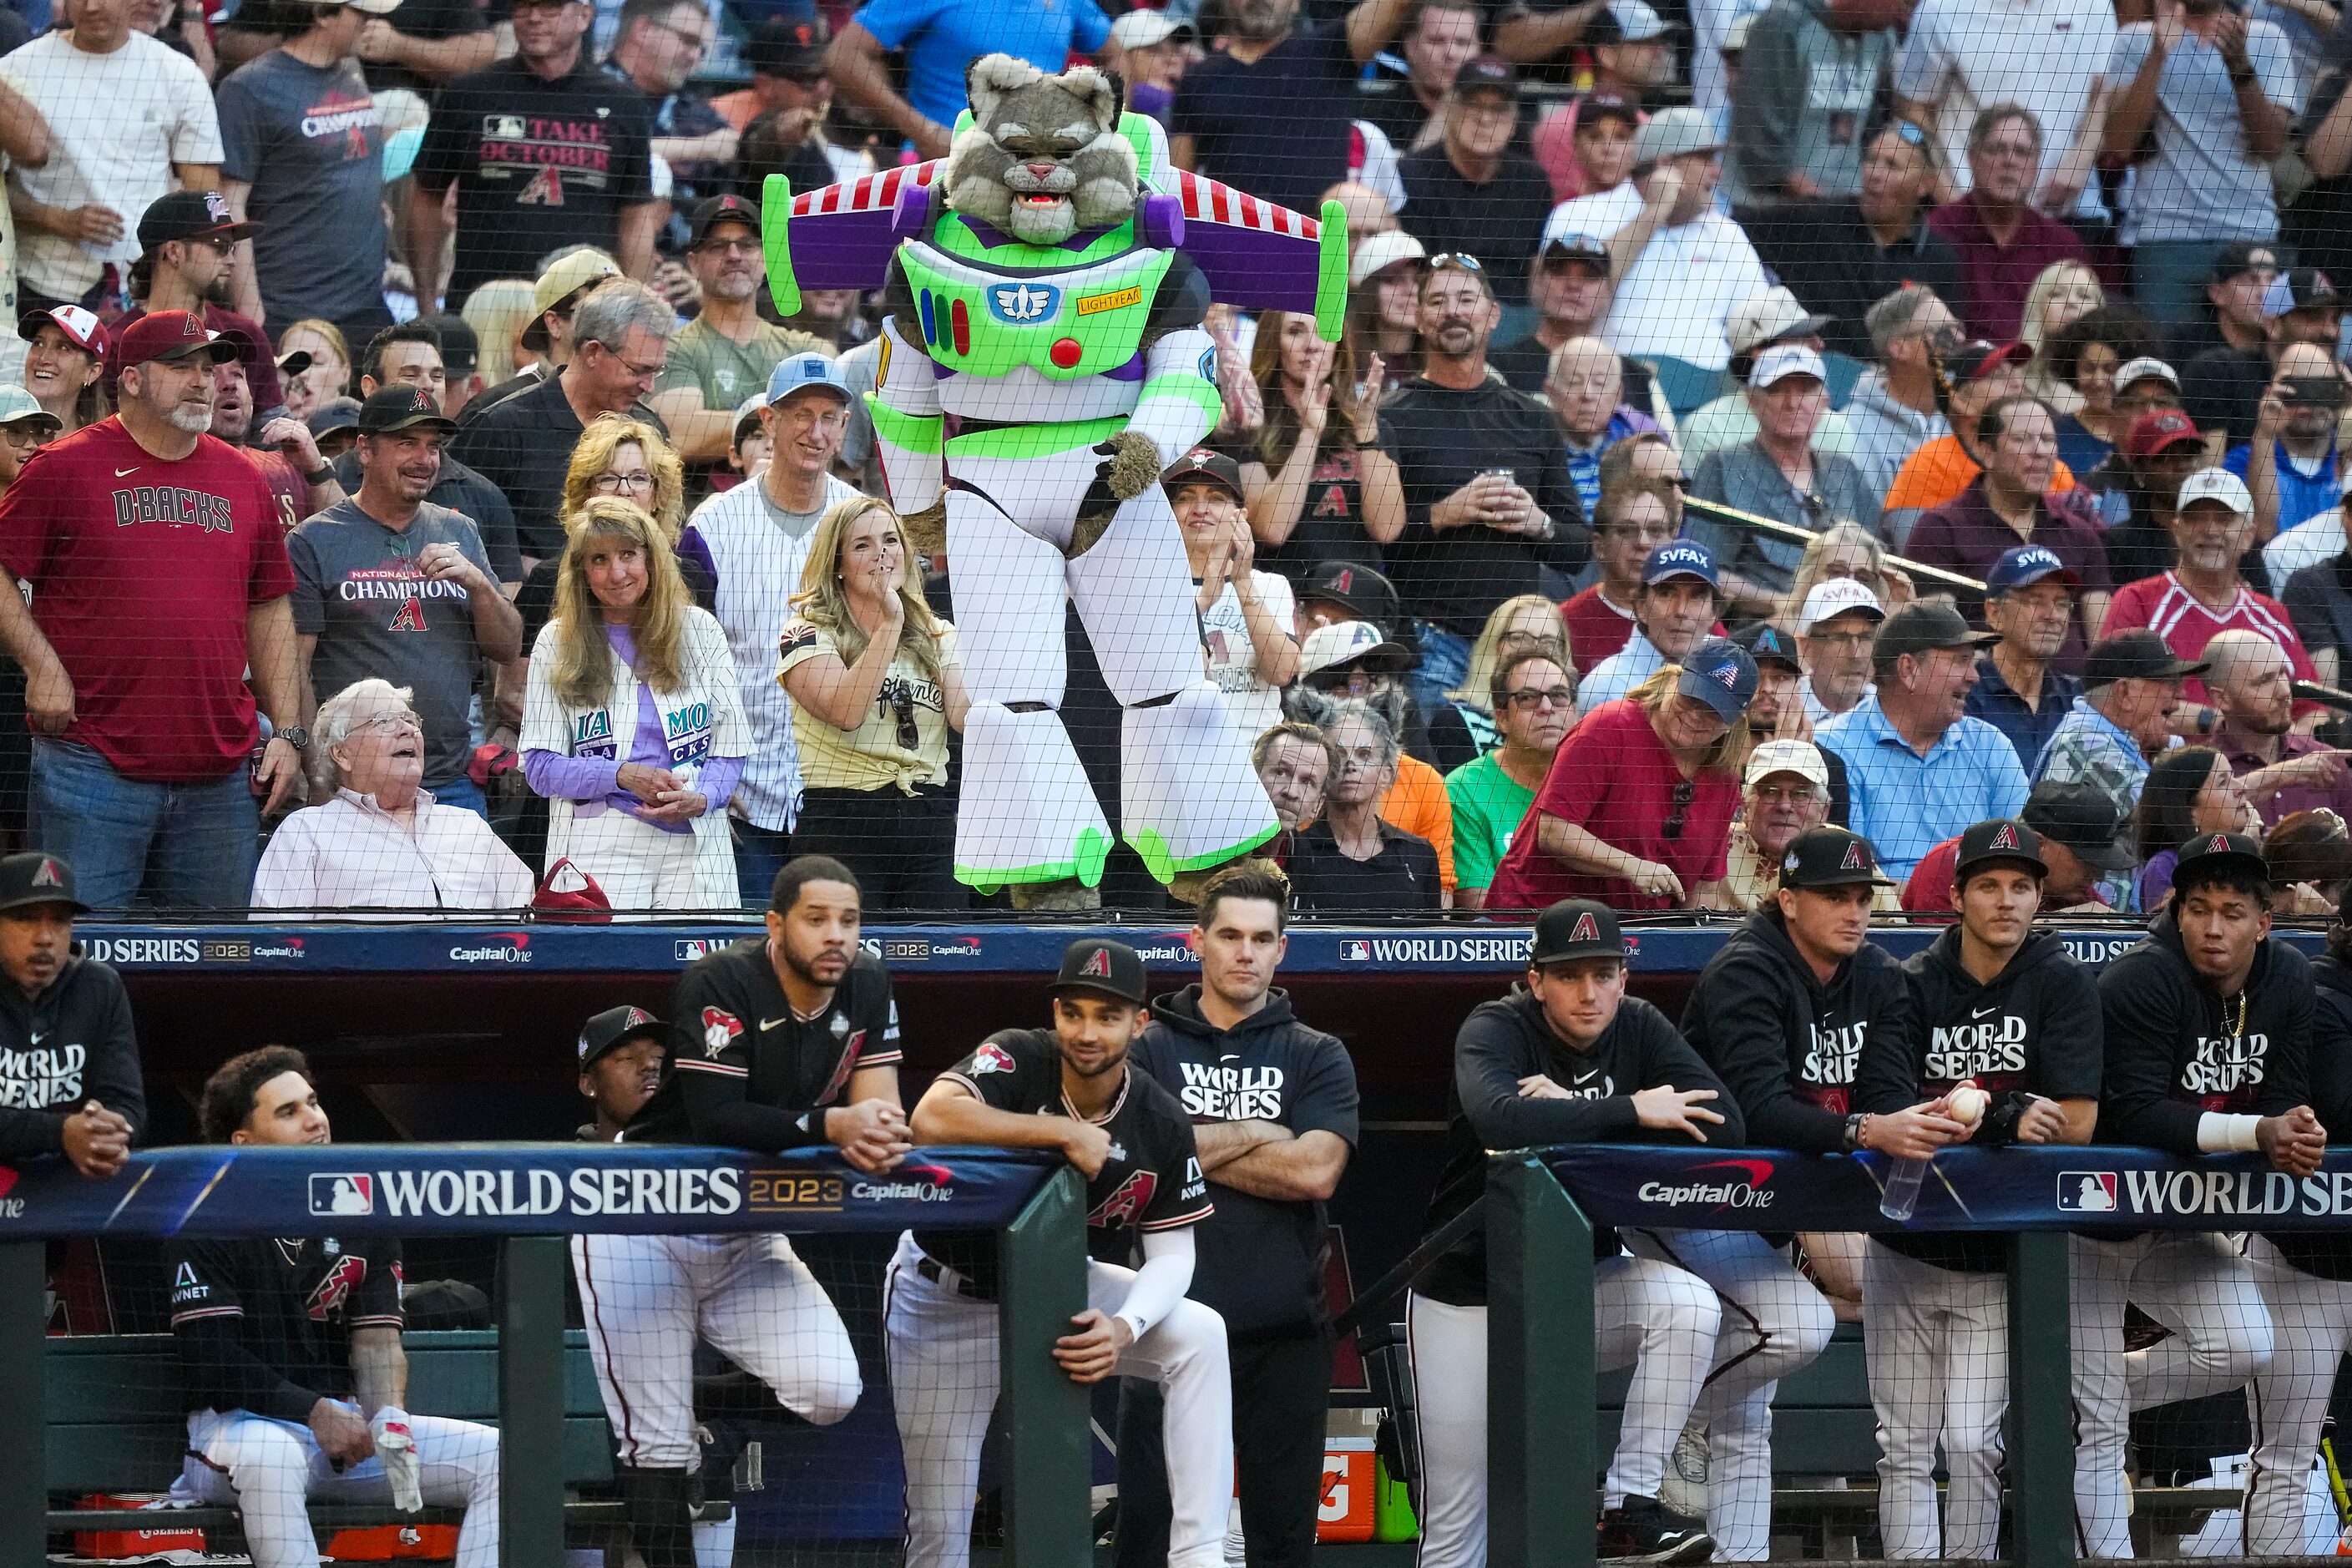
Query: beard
<point x="1260" y="19"/>
<point x="195" y="419"/>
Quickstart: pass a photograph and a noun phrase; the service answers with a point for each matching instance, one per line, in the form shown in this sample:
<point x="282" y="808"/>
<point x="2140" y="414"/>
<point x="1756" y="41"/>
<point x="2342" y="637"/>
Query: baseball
<point x="1968" y="1103"/>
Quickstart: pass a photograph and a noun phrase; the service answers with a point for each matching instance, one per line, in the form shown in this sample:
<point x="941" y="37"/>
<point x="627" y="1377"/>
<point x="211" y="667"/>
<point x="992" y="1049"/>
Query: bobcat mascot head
<point x="1044" y="157"/>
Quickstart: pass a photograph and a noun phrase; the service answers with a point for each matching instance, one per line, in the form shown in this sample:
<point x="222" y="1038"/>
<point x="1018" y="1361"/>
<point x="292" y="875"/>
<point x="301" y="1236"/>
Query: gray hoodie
<point x="1805" y="96"/>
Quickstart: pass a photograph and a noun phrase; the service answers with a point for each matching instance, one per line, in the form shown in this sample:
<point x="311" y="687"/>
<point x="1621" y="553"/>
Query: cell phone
<point x="1509" y="476"/>
<point x="2315" y="392"/>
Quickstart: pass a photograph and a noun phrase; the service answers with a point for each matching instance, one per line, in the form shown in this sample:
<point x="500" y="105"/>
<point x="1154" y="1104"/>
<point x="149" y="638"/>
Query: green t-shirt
<point x="1488" y="807"/>
<point x="727" y="372"/>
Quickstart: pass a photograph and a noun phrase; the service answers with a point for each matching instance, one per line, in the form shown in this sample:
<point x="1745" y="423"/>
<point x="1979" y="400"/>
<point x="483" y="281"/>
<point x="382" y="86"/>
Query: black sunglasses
<point x="902" y="702"/>
<point x="1684" y="792"/>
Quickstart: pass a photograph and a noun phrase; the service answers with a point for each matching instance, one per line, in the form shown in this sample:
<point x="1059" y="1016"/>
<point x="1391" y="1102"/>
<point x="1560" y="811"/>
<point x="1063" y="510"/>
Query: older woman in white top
<point x="380" y="840"/>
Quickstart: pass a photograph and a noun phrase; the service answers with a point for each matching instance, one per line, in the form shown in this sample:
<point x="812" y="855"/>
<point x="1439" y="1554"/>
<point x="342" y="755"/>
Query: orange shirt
<point x="1417" y="803"/>
<point x="1940" y="471"/>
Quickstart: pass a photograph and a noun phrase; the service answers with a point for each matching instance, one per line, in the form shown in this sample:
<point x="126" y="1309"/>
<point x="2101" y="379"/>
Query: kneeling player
<point x="292" y="1357"/>
<point x="1068" y="1090"/>
<point x="1567" y="1059"/>
<point x="2002" y="1004"/>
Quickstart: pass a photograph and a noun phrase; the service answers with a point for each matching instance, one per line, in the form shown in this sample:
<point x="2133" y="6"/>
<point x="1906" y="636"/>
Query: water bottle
<point x="1902" y="1194"/>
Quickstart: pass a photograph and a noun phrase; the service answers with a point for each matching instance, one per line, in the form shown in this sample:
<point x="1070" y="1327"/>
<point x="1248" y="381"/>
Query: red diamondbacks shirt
<point x="142" y="572"/>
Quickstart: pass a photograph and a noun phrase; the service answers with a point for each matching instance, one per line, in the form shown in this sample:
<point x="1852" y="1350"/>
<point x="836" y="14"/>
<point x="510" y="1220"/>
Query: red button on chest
<point x="1064" y="352"/>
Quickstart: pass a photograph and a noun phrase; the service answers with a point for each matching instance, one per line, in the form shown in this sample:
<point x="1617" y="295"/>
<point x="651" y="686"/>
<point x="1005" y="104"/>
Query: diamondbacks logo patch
<point x="335" y="1288"/>
<point x="2004" y="837"/>
<point x="48" y="875"/>
<point x="411" y="618"/>
<point x="719" y="1029"/>
<point x="1098" y="964"/>
<point x="1857" y="858"/>
<point x="1126" y="1205"/>
<point x="1587" y="928"/>
<point x="2220" y="845"/>
<point x="992" y="1058"/>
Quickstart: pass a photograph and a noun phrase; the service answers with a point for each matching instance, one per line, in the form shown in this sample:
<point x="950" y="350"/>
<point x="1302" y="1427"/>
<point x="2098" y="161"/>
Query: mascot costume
<point x="1043" y="360"/>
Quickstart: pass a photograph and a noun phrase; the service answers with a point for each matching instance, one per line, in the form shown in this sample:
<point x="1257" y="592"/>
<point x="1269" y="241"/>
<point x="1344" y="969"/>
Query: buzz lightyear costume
<point x="1032" y="358"/>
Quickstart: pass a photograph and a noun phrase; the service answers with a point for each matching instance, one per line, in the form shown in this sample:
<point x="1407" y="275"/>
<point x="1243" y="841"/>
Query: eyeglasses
<point x="1684" y="792"/>
<point x="683" y="34"/>
<point x="1532" y="698"/>
<point x="1794" y="794"/>
<point x="643" y="374"/>
<point x="612" y="484"/>
<point x="1532" y="639"/>
<point x="714" y="246"/>
<point x="24" y="436"/>
<point x="393" y="723"/>
<point x="902" y="702"/>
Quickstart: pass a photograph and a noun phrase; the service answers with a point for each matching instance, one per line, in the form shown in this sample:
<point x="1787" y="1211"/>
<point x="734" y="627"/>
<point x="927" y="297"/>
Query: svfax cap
<point x="1577" y="928"/>
<point x="2024" y="566"/>
<point x="1108" y="968"/>
<point x="1680" y="558"/>
<point x="1834" y="596"/>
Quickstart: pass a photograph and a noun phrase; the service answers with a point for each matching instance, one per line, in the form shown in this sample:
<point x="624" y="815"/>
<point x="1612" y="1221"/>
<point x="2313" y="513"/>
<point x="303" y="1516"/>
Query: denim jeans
<point x="1445" y="661"/>
<point x="760" y="853"/>
<point x="188" y="846"/>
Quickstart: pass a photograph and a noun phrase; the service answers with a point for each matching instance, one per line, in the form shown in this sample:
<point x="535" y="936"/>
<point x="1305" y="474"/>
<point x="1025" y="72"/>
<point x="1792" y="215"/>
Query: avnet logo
<point x="1742" y="1186"/>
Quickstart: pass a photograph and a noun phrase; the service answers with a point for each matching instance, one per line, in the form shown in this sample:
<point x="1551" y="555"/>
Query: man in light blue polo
<point x="1677" y="601"/>
<point x="1918" y="770"/>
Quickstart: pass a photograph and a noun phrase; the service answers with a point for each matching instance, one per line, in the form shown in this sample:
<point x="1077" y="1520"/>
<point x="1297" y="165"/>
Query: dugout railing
<point x="528" y="1197"/>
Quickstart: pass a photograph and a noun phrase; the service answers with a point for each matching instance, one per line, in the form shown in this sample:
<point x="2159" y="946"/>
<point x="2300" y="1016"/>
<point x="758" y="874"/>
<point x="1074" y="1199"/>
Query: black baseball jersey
<point x="1151" y="1181"/>
<point x="747" y="1072"/>
<point x="2033" y="1030"/>
<point x="265" y="1325"/>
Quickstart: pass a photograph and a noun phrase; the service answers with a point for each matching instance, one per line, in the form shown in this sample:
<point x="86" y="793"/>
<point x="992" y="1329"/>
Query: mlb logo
<point x="2087" y="1192"/>
<point x="342" y="1193"/>
<point x="1355" y="951"/>
<point x="509" y="126"/>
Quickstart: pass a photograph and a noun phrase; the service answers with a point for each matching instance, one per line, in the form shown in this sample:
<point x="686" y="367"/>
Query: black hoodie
<point x="1504" y="1041"/>
<point x="2033" y="1030"/>
<point x="2326" y="1254"/>
<point x="1788" y="1045"/>
<point x="1259" y="1261"/>
<point x="2176" y="1049"/>
<point x="72" y="1043"/>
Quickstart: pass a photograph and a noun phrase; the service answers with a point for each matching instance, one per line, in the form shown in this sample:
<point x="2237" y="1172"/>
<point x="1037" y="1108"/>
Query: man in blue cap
<point x="2028" y="602"/>
<point x="1679" y="600"/>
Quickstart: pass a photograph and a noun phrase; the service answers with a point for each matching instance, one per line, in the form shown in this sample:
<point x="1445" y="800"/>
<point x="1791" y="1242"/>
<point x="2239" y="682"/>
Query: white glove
<point x="396" y="1446"/>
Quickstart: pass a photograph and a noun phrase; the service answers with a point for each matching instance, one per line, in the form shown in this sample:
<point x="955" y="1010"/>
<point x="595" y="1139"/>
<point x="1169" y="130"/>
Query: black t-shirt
<point x="1832" y="261"/>
<point x="265" y="1325"/>
<point x="433" y="20"/>
<point x="2319" y="224"/>
<point x="1500" y="222"/>
<point x="524" y="447"/>
<point x="1402" y="875"/>
<point x="1292" y="156"/>
<point x="538" y="165"/>
<point x="747" y="1071"/>
<point x="2223" y="388"/>
<point x="1152" y="1180"/>
<point x="1330" y="524"/>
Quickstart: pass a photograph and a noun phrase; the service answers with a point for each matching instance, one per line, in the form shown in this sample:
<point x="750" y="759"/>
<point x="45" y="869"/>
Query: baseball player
<point x="777" y="1043"/>
<point x="1066" y="1089"/>
<point x="2002" y="1007"/>
<point x="291" y="1353"/>
<point x="2207" y="1049"/>
<point x="1780" y="1013"/>
<point x="1567" y="1058"/>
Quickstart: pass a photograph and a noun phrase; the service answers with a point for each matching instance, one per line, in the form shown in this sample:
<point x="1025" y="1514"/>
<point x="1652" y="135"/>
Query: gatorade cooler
<point x="1348" y="1488"/>
<point x="140" y="1543"/>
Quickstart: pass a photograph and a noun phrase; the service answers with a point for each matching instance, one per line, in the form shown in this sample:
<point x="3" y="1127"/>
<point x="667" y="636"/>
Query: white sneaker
<point x="1684" y="1490"/>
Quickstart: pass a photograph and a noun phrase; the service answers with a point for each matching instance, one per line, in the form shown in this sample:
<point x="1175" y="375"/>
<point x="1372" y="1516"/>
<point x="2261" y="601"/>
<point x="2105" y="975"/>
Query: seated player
<point x="1067" y="1089"/>
<point x="291" y="1353"/>
<point x="1568" y="1058"/>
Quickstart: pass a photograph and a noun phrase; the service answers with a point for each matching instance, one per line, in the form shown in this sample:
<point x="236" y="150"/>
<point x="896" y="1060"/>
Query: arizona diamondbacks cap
<point x="1110" y="968"/>
<point x="1576" y="928"/>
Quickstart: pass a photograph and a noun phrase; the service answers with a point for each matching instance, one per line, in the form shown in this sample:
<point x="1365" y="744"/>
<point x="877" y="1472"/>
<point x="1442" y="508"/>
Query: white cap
<point x="1380" y="252"/>
<point x="2216" y="484"/>
<point x="1835" y="596"/>
<point x="1141" y="29"/>
<point x="1773" y="313"/>
<point x="2140" y="369"/>
<point x="1799" y="757"/>
<point x="1345" y="641"/>
<point x="1783" y="360"/>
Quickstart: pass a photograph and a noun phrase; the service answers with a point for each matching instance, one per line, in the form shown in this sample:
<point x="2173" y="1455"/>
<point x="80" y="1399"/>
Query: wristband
<point x="319" y="475"/>
<point x="2221" y="1133"/>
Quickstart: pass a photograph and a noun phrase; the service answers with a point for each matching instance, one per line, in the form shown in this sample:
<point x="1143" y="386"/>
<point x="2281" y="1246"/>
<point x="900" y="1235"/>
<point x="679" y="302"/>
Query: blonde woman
<point x="498" y="311"/>
<point x="328" y="375"/>
<point x="1847" y="550"/>
<point x="1319" y="486"/>
<point x="633" y="728"/>
<point x="1464" y="730"/>
<point x="876" y="687"/>
<point x="2063" y="293"/>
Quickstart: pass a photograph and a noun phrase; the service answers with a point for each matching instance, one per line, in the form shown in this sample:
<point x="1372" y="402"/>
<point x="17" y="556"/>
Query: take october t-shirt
<point x="141" y="572"/>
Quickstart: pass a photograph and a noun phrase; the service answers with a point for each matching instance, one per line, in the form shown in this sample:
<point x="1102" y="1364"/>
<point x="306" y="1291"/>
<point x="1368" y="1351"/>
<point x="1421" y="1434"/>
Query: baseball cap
<point x="2208" y="852"/>
<point x="615" y="1027"/>
<point x="1719" y="673"/>
<point x="1679" y="558"/>
<point x="1590" y="250"/>
<point x="1625" y="22"/>
<point x="18" y="406"/>
<point x="2244" y="255"/>
<point x="1781" y="360"/>
<point x="1834" y="596"/>
<point x="169" y="335"/>
<point x="1200" y="464"/>
<point x="2300" y="289"/>
<point x="1829" y="857"/>
<point x="2144" y="367"/>
<point x="1801" y="758"/>
<point x="1142" y="29"/>
<point x="294" y="361"/>
<point x="461" y="351"/>
<point x="82" y="328"/>
<point x="2082" y="817"/>
<point x="335" y="413"/>
<point x="711" y="211"/>
<point x="2000" y="838"/>
<point x="792" y="47"/>
<point x="564" y="278"/>
<point x="1768" y="318"/>
<point x="1971" y="362"/>
<point x="798" y="373"/>
<point x="1576" y="928"/>
<point x="190" y="215"/>
<point x="2141" y="654"/>
<point x="1358" y="643"/>
<point x="1671" y="132"/>
<point x="2025" y="565"/>
<point x="1595" y="106"/>
<point x="2216" y="484"/>
<point x="1382" y="252"/>
<point x="1363" y="591"/>
<point x="1768" y="643"/>
<point x="1487" y="73"/>
<point x="36" y="877"/>
<point x="747" y="414"/>
<point x="401" y="406"/>
<point x="2157" y="429"/>
<point x="1096" y="963"/>
<point x="1922" y="627"/>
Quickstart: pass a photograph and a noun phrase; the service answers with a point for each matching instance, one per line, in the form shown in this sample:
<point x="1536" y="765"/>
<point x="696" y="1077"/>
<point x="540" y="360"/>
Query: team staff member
<point x="290" y="1351"/>
<point x="69" y="1080"/>
<point x="2208" y="1051"/>
<point x="778" y="1044"/>
<point x="1780" y="1014"/>
<point x="2002" y="1006"/>
<point x="1568" y="1058"/>
<point x="1067" y="1089"/>
<point x="2306" y="1279"/>
<point x="1272" y="1104"/>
